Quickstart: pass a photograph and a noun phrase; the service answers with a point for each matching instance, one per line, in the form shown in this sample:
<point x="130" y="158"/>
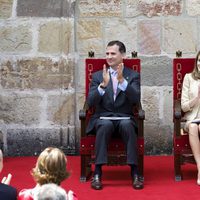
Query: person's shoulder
<point x="99" y="72"/>
<point x="188" y="76"/>
<point x="25" y="194"/>
<point x="131" y="71"/>
<point x="7" y="191"/>
<point x="7" y="187"/>
<point x="72" y="195"/>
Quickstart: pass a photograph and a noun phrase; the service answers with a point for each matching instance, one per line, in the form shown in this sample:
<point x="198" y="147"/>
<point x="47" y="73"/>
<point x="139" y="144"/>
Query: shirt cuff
<point x="122" y="86"/>
<point x="101" y="91"/>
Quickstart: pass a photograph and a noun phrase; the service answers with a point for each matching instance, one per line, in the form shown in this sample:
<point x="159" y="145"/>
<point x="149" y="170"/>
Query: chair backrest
<point x="95" y="64"/>
<point x="181" y="66"/>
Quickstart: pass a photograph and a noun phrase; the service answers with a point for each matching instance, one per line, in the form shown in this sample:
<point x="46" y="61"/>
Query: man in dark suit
<point x="6" y="192"/>
<point x="113" y="92"/>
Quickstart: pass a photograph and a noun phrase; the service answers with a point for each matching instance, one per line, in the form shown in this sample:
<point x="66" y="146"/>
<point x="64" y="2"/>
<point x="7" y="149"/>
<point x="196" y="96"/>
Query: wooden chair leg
<point x="86" y="171"/>
<point x="141" y="165"/>
<point x="177" y="167"/>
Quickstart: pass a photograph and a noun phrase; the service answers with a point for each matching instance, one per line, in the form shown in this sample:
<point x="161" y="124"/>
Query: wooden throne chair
<point x="182" y="151"/>
<point x="116" y="148"/>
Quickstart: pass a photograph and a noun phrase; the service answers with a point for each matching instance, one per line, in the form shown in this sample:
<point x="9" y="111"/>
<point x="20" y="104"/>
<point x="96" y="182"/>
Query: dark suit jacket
<point x="7" y="192"/>
<point x="105" y="105"/>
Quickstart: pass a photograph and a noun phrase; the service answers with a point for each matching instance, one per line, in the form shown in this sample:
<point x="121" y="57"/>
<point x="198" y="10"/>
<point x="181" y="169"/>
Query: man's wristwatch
<point x="102" y="87"/>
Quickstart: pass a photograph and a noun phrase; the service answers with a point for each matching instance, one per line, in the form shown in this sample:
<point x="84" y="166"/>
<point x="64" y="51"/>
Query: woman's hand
<point x="6" y="180"/>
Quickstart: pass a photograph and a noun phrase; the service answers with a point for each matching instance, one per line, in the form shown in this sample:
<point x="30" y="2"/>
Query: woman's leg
<point x="195" y="144"/>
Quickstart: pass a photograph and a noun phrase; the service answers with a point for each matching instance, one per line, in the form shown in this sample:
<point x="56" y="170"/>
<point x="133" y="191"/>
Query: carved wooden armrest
<point x="82" y="117"/>
<point x="83" y="112"/>
<point x="177" y="118"/>
<point x="177" y="110"/>
<point x="140" y="112"/>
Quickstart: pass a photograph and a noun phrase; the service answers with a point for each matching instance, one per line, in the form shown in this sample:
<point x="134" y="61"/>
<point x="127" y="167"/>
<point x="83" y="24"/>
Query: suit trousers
<point x="105" y="129"/>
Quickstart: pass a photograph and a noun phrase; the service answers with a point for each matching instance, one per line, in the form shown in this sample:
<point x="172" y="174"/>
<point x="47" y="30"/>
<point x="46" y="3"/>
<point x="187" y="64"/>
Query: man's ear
<point x="124" y="56"/>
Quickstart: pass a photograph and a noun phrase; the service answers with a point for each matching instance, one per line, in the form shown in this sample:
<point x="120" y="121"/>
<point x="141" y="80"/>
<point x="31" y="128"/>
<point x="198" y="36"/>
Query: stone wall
<point x="37" y="60"/>
<point x="42" y="51"/>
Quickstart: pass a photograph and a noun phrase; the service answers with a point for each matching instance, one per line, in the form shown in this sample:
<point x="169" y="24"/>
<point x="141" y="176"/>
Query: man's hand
<point x="6" y="180"/>
<point x="106" y="76"/>
<point x="120" y="68"/>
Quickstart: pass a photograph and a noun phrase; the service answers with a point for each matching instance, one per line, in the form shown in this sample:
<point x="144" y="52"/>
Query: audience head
<point x="196" y="70"/>
<point x="51" y="191"/>
<point x="50" y="167"/>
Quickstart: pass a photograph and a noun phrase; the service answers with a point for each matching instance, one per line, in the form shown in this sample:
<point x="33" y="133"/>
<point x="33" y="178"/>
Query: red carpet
<point x="159" y="180"/>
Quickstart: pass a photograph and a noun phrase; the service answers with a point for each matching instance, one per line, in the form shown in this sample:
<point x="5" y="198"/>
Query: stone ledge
<point x="31" y="141"/>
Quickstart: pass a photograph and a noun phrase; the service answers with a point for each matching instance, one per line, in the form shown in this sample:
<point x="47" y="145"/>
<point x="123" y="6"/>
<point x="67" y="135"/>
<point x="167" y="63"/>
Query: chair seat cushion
<point x="116" y="145"/>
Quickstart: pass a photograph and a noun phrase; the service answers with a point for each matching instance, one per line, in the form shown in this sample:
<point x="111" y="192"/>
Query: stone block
<point x="37" y="73"/>
<point x="97" y="8"/>
<point x="149" y="34"/>
<point x="177" y="35"/>
<point x="56" y="37"/>
<point x="15" y="39"/>
<point x="160" y="8"/>
<point x="156" y="71"/>
<point x="89" y="36"/>
<point x="80" y="100"/>
<point x="46" y="8"/>
<point x="1" y="140"/>
<point x="123" y="30"/>
<point x="158" y="139"/>
<point x="150" y="104"/>
<point x="31" y="141"/>
<point x="193" y="7"/>
<point x="61" y="108"/>
<point x="2" y="134"/>
<point x="6" y="8"/>
<point x="20" y="108"/>
<point x="80" y="75"/>
<point x="69" y="140"/>
<point x="132" y="8"/>
<point x="166" y="108"/>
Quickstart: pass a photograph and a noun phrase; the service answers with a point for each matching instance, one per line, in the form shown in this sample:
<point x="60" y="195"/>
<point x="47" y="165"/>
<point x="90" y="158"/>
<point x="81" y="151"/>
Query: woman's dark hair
<point x="195" y="72"/>
<point x="122" y="48"/>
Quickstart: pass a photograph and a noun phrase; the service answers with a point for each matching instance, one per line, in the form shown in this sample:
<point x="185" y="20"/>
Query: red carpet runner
<point x="159" y="180"/>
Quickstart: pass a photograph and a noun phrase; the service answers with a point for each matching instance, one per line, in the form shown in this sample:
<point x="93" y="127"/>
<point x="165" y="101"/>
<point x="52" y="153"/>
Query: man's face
<point x="113" y="56"/>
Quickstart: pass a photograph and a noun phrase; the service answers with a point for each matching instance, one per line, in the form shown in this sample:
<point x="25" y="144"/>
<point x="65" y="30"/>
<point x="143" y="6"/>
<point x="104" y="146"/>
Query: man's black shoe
<point x="138" y="182"/>
<point x="96" y="182"/>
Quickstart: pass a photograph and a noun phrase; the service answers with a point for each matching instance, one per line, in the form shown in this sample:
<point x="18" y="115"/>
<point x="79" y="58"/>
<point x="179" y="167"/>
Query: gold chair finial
<point x="134" y="54"/>
<point x="91" y="54"/>
<point x="178" y="54"/>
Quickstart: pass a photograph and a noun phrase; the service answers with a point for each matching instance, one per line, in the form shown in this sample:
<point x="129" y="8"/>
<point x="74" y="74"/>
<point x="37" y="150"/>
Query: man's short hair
<point x="122" y="48"/>
<point x="51" y="191"/>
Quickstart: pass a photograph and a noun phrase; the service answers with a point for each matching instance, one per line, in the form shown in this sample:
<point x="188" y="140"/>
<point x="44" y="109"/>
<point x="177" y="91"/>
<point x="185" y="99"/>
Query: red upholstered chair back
<point x="181" y="145"/>
<point x="95" y="64"/>
<point x="181" y="66"/>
